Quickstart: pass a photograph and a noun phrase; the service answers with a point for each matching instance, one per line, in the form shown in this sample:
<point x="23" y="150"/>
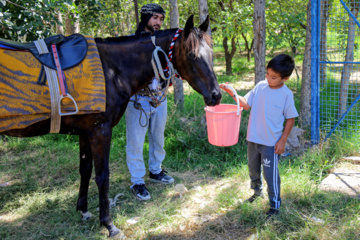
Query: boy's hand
<point x="280" y="147"/>
<point x="225" y="87"/>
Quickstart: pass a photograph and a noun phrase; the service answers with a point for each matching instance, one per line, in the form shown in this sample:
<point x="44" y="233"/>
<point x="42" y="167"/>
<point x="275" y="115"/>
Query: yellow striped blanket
<point x="24" y="102"/>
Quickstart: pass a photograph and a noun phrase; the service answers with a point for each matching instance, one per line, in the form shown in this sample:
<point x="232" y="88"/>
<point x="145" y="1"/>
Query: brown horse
<point x="127" y="69"/>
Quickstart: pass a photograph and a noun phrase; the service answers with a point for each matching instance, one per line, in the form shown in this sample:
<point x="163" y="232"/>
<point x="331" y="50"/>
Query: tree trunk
<point x="324" y="12"/>
<point x="136" y="13"/>
<point x="259" y="39"/>
<point x="229" y="55"/>
<point x="349" y="57"/>
<point x="72" y="23"/>
<point x="59" y="27"/>
<point x="305" y="101"/>
<point x="248" y="47"/>
<point x="203" y="12"/>
<point x="178" y="84"/>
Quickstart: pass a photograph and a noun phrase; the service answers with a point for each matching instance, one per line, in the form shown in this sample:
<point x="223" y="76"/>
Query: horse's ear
<point x="204" y="26"/>
<point x="189" y="25"/>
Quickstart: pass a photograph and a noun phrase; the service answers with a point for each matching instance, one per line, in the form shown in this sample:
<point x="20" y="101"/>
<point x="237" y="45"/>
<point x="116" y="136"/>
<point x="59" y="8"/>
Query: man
<point x="152" y="17"/>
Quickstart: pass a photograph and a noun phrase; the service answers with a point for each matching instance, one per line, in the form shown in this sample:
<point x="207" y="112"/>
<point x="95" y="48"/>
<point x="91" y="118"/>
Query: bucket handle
<point x="236" y="97"/>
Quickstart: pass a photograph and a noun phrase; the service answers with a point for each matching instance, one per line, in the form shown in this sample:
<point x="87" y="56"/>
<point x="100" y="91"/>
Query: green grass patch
<point x="42" y="172"/>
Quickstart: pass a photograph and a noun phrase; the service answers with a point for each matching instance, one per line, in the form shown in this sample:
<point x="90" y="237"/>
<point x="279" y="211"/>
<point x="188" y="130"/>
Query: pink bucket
<point x="223" y="123"/>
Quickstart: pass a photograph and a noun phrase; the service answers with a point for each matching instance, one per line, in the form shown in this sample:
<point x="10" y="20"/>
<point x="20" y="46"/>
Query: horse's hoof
<point x="86" y="215"/>
<point x="116" y="233"/>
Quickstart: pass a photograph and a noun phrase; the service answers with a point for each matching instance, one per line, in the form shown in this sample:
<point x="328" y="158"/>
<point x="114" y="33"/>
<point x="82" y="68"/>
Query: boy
<point x="271" y="102"/>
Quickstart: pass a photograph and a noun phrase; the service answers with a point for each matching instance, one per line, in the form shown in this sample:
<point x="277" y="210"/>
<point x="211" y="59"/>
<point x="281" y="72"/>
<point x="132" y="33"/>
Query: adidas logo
<point x="266" y="162"/>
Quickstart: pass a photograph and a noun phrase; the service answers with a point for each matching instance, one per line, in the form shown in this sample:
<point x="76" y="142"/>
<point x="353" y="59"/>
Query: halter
<point x="169" y="70"/>
<point x="167" y="74"/>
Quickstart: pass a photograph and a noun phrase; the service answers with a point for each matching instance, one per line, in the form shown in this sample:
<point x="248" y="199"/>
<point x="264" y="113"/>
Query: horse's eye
<point x="192" y="55"/>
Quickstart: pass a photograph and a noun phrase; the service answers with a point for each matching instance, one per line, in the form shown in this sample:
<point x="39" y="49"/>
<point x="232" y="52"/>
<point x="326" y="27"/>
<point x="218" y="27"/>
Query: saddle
<point x="24" y="102"/>
<point x="71" y="50"/>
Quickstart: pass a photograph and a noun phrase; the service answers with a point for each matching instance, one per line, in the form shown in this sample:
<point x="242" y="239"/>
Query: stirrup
<point x="67" y="113"/>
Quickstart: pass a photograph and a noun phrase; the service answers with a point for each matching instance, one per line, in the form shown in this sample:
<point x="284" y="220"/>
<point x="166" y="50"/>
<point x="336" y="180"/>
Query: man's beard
<point x="151" y="28"/>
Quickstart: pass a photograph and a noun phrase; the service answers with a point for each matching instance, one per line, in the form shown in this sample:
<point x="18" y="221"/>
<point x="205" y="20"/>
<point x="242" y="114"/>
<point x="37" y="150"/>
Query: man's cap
<point x="152" y="8"/>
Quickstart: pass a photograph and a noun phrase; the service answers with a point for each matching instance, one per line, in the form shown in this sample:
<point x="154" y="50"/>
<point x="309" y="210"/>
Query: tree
<point x="248" y="45"/>
<point x="229" y="24"/>
<point x="325" y="8"/>
<point x="28" y="20"/>
<point x="285" y="25"/>
<point x="305" y="101"/>
<point x="259" y="39"/>
<point x="178" y="84"/>
<point x="349" y="57"/>
<point x="203" y="13"/>
<point x="72" y="24"/>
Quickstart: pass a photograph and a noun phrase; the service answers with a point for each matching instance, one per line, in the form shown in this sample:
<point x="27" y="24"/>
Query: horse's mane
<point x="193" y="41"/>
<point x="137" y="37"/>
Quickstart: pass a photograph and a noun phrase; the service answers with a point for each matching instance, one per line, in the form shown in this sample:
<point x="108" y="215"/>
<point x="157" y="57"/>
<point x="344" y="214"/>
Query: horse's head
<point x="192" y="58"/>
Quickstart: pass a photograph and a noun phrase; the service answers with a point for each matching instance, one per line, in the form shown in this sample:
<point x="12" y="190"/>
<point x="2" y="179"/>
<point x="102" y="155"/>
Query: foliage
<point x="29" y="20"/>
<point x="285" y="24"/>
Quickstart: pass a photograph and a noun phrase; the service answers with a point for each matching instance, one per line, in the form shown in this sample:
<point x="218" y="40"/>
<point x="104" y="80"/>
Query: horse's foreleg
<point x="100" y="140"/>
<point x="85" y="173"/>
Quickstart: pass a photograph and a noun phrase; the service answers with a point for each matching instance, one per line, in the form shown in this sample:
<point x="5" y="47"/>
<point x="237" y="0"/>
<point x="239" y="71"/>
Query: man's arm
<point x="280" y="145"/>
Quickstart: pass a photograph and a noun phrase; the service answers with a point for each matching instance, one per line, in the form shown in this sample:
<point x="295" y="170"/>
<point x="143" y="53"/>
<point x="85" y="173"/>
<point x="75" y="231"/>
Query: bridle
<point x="168" y="74"/>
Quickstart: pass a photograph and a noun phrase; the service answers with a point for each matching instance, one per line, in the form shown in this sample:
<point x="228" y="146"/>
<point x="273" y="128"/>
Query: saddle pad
<point x="24" y="102"/>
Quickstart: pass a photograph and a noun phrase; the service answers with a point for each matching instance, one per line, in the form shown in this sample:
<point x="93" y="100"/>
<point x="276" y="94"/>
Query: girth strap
<point x="54" y="90"/>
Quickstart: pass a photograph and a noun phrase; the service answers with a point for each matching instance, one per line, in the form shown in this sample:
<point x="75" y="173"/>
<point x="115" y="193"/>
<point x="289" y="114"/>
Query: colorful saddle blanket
<point x="24" y="102"/>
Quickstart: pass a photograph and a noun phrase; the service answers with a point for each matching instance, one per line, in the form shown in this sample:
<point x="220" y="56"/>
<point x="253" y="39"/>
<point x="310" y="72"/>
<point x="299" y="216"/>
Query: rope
<point x="167" y="74"/>
<point x="138" y="106"/>
<point x="170" y="55"/>
<point x="159" y="71"/>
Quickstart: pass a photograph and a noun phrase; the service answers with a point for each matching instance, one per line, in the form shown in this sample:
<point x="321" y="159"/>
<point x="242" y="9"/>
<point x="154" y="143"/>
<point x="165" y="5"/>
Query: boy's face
<point x="274" y="79"/>
<point x="155" y="22"/>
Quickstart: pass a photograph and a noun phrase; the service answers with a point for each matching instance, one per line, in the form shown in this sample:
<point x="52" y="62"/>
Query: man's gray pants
<point x="264" y="155"/>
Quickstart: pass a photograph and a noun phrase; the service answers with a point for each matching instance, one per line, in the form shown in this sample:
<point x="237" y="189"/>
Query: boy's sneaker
<point x="161" y="178"/>
<point x="254" y="197"/>
<point x="141" y="192"/>
<point x="272" y="212"/>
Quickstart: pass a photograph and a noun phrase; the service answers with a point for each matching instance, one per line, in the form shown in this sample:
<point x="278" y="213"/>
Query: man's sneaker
<point x="161" y="178"/>
<point x="141" y="192"/>
<point x="272" y="212"/>
<point x="254" y="197"/>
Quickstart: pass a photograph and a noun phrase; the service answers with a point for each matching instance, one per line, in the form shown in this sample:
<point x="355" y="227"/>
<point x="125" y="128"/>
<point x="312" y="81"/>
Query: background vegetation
<point x="40" y="178"/>
<point x="42" y="172"/>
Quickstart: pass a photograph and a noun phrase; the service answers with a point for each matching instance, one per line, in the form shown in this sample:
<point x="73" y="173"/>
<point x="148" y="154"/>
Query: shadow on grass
<point x="167" y="216"/>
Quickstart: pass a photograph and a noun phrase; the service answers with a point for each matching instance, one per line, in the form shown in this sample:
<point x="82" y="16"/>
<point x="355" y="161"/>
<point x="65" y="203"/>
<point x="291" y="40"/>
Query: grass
<point x="40" y="200"/>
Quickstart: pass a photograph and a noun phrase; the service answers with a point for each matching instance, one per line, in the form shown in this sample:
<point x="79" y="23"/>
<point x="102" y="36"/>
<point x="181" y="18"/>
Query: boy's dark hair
<point x="282" y="64"/>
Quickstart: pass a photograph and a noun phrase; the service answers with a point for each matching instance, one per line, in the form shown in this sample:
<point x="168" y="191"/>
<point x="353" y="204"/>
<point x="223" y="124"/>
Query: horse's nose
<point x="215" y="98"/>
